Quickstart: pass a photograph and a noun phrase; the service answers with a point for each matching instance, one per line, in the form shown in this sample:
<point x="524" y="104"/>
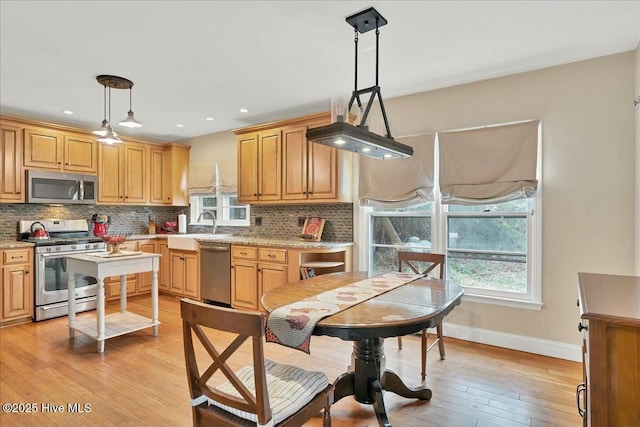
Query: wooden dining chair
<point x="432" y="261"/>
<point x="263" y="393"/>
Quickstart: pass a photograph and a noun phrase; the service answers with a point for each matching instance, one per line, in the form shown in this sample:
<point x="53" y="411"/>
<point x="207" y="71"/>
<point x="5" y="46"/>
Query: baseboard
<point x="514" y="342"/>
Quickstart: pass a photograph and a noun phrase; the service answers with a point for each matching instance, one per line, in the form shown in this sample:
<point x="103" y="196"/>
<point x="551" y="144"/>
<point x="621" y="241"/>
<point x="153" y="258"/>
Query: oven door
<point x="51" y="280"/>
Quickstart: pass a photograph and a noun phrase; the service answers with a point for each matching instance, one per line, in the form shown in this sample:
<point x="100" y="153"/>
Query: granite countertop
<point x="238" y="240"/>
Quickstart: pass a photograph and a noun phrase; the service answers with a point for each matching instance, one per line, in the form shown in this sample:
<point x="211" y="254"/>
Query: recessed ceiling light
<point x="244" y="110"/>
<point x="67" y="112"/>
<point x="209" y="119"/>
<point x="179" y="125"/>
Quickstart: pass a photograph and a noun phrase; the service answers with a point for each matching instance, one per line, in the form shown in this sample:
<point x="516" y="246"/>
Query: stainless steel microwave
<point x="61" y="188"/>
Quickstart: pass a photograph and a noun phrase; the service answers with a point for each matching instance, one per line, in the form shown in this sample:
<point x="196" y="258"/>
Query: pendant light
<point x="359" y="139"/>
<point x="105" y="123"/>
<point x="130" y="122"/>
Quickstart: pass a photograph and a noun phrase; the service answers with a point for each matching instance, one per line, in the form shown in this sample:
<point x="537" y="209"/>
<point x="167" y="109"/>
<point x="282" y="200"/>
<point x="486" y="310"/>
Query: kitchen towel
<point x="291" y="325"/>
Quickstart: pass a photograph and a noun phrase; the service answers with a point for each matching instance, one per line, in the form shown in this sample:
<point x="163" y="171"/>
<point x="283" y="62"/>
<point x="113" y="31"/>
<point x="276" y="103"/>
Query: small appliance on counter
<point x="101" y="224"/>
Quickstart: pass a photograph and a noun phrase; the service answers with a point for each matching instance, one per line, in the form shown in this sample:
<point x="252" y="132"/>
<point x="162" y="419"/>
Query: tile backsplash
<point x="278" y="221"/>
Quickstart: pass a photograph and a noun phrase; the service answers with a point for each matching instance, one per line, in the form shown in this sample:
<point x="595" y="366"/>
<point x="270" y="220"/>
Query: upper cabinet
<point x="135" y="172"/>
<point x="276" y="164"/>
<point x="54" y="150"/>
<point x="11" y="176"/>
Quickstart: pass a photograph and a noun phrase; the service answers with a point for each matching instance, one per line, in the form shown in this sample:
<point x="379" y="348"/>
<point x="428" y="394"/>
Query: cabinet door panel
<point x="177" y="273"/>
<point x="323" y="174"/>
<point x="135" y="190"/>
<point x="144" y="279"/>
<point x="294" y="166"/>
<point x="248" y="168"/>
<point x="245" y="285"/>
<point x="17" y="300"/>
<point x="191" y="276"/>
<point x="270" y="166"/>
<point x="42" y="149"/>
<point x="110" y="174"/>
<point x="271" y="276"/>
<point x="160" y="173"/>
<point x="80" y="154"/>
<point x="164" y="277"/>
<point x="11" y="176"/>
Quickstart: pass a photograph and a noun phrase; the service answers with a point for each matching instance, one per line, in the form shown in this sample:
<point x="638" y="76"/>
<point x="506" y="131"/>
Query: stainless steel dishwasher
<point x="215" y="273"/>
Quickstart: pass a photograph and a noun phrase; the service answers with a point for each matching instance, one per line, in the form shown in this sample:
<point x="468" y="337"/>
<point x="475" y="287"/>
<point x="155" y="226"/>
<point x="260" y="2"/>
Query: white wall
<point x="589" y="169"/>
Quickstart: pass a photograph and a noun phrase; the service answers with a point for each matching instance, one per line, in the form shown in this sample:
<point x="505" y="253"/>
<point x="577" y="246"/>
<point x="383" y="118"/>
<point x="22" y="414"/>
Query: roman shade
<point x="202" y="177"/>
<point x="212" y="176"/>
<point x="399" y="182"/>
<point x="489" y="165"/>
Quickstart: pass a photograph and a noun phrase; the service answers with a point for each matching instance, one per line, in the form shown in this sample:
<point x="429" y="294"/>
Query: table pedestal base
<point x="366" y="383"/>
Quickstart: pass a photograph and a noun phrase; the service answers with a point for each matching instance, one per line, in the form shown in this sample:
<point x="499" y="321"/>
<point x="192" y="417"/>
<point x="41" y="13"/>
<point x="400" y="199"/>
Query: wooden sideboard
<point x="610" y="327"/>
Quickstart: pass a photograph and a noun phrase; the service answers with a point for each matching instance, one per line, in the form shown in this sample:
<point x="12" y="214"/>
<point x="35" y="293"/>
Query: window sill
<point x="506" y="302"/>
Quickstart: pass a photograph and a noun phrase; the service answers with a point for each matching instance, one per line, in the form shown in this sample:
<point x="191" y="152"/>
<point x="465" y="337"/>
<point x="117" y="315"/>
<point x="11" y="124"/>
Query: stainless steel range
<point x="64" y="237"/>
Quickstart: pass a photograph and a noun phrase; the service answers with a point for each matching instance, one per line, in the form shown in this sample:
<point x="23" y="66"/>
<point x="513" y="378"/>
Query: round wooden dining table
<point x="407" y="309"/>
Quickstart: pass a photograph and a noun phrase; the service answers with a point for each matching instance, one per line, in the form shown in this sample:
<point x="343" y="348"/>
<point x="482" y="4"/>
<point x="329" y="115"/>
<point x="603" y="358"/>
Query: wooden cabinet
<point x="122" y="174"/>
<point x="144" y="279"/>
<point x="610" y="327"/>
<point x="16" y="285"/>
<point x="254" y="271"/>
<point x="54" y="150"/>
<point x="169" y="170"/>
<point x="11" y="171"/>
<point x="164" y="277"/>
<point x="185" y="273"/>
<point x="276" y="164"/>
<point x="260" y="166"/>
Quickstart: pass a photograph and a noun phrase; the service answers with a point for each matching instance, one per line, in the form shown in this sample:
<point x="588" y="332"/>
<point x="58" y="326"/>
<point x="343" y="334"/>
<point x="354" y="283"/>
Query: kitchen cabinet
<point x="16" y="285"/>
<point x="254" y="271"/>
<point x="11" y="171"/>
<point x="169" y="170"/>
<point x="185" y="273"/>
<point x="144" y="279"/>
<point x="610" y="328"/>
<point x="123" y="174"/>
<point x="277" y="165"/>
<point x="55" y="150"/>
<point x="260" y="166"/>
<point x="164" y="277"/>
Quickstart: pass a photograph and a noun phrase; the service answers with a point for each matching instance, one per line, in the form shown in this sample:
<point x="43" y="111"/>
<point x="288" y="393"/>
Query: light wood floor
<point x="140" y="379"/>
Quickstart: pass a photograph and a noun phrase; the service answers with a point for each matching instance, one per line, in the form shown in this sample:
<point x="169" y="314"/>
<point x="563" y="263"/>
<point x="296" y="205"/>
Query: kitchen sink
<point x="189" y="242"/>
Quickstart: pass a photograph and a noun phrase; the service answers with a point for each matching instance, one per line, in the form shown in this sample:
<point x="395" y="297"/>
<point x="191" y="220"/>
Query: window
<point x="394" y="229"/>
<point x="225" y="206"/>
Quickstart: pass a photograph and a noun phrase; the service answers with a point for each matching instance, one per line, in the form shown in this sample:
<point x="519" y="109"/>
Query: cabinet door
<point x="164" y="277"/>
<point x="271" y="276"/>
<point x="17" y="292"/>
<point x="191" y="275"/>
<point x="135" y="170"/>
<point x="11" y="176"/>
<point x="144" y="279"/>
<point x="80" y="154"/>
<point x="323" y="172"/>
<point x="160" y="174"/>
<point x="294" y="165"/>
<point x="270" y="166"/>
<point x="177" y="272"/>
<point x="248" y="168"/>
<point x="244" y="291"/>
<point x="42" y="148"/>
<point x="110" y="174"/>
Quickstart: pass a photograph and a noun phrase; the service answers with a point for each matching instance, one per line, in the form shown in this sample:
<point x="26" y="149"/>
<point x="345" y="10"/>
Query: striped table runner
<point x="291" y="325"/>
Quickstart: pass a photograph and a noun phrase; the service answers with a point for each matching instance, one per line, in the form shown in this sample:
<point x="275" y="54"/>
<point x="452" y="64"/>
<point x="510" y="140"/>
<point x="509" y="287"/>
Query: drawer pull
<point x="582" y="387"/>
<point x="582" y="327"/>
<point x="243" y="253"/>
<point x="271" y="256"/>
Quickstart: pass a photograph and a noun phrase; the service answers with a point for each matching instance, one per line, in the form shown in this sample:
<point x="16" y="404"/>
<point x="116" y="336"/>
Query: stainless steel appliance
<point x="61" y="188"/>
<point x="50" y="281"/>
<point x="215" y="273"/>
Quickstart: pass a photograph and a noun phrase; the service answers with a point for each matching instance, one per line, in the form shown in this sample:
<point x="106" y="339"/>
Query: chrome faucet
<point x="213" y="217"/>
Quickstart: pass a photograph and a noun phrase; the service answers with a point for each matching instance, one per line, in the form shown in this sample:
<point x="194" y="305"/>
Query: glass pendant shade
<point x="109" y="137"/>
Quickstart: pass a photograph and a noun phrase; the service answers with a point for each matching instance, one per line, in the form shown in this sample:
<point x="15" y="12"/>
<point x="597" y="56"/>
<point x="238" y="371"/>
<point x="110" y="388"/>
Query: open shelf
<point x="321" y="264"/>
<point x="322" y="261"/>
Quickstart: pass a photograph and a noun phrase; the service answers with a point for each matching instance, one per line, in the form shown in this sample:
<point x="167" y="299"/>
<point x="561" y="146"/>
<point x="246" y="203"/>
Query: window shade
<point x="202" y="177"/>
<point x="399" y="182"/>
<point x="489" y="165"/>
<point x="228" y="175"/>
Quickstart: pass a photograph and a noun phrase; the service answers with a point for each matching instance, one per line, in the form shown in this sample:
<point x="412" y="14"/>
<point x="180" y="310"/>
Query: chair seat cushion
<point x="289" y="388"/>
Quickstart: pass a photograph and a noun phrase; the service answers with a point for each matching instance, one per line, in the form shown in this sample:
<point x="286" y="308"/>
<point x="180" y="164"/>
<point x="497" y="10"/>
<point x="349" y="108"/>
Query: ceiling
<point x="195" y="59"/>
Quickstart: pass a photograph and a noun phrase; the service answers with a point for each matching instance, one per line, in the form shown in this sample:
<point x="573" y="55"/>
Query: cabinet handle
<point x="582" y="387"/>
<point x="26" y="272"/>
<point x="255" y="194"/>
<point x="271" y="256"/>
<point x="67" y="164"/>
<point x="582" y="327"/>
<point x="310" y="192"/>
<point x="243" y="253"/>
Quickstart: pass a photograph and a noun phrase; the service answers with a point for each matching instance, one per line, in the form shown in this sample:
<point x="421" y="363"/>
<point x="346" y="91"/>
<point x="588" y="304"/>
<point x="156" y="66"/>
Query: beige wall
<point x="215" y="146"/>
<point x="637" y="96"/>
<point x="589" y="169"/>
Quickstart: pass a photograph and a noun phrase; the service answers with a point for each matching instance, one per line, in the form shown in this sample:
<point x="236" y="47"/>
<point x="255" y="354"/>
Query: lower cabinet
<point x="16" y="283"/>
<point x="164" y="278"/>
<point x="185" y="273"/>
<point x="254" y="271"/>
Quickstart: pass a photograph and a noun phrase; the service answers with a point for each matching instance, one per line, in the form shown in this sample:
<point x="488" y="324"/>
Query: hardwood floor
<point x="140" y="379"/>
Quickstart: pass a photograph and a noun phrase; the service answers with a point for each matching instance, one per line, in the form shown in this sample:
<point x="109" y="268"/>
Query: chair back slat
<point x="410" y="258"/>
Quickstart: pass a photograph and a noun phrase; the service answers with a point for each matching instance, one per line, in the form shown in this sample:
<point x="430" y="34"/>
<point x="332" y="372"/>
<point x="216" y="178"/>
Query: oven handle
<point x="61" y="254"/>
